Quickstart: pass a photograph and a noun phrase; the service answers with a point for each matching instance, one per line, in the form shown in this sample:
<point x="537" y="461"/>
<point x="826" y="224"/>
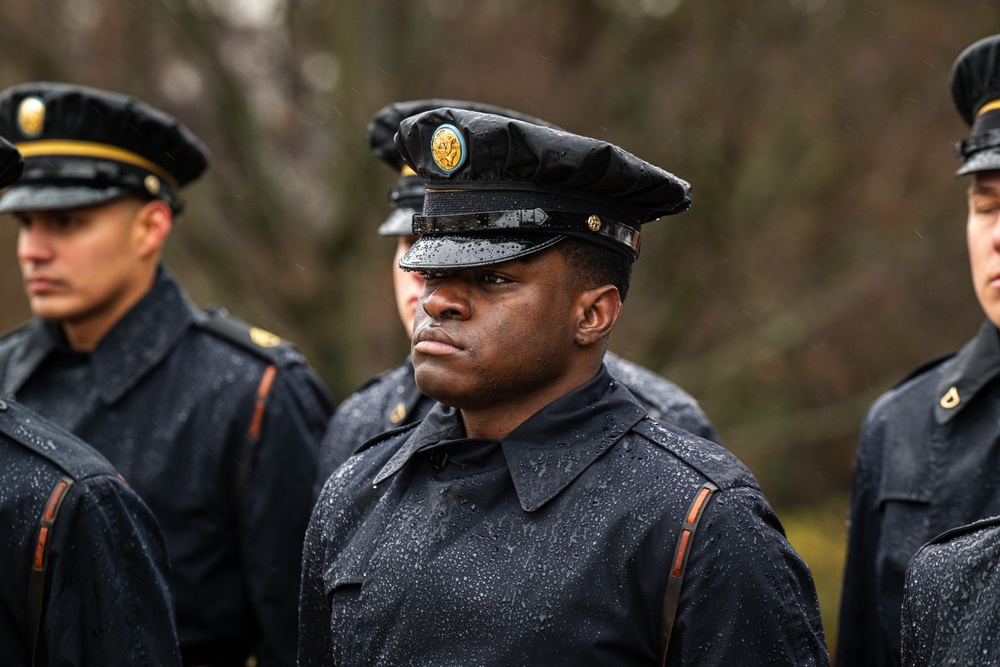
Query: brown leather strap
<point x="253" y="435"/>
<point x="678" y="567"/>
<point x="36" y="586"/>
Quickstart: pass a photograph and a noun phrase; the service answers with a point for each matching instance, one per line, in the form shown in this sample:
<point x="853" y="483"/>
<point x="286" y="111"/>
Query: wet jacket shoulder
<point x="951" y="606"/>
<point x="77" y="538"/>
<point x="627" y="494"/>
<point x="664" y="399"/>
<point x="386" y="402"/>
<point x="921" y="468"/>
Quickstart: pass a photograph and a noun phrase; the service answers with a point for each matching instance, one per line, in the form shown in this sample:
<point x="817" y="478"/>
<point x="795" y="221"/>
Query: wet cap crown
<point x="407" y="194"/>
<point x="975" y="88"/>
<point x="10" y="163"/>
<point x="84" y="146"/>
<point x="499" y="189"/>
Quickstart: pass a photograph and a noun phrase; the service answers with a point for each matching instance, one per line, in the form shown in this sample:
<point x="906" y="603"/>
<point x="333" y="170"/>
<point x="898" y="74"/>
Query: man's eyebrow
<point x="980" y="189"/>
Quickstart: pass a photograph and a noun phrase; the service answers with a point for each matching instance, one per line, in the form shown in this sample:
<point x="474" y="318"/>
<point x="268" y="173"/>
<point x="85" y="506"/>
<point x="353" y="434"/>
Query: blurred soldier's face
<point x="407" y="285"/>
<point x="84" y="268"/>
<point x="500" y="335"/>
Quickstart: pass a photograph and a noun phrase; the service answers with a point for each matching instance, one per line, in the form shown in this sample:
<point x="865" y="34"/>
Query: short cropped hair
<point x="593" y="265"/>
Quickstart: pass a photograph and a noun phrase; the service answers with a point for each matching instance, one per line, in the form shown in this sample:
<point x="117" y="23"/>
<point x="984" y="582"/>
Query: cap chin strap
<point x="529" y="220"/>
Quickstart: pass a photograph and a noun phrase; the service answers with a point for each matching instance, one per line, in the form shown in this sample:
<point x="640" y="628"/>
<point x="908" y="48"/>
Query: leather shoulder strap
<point x="36" y="586"/>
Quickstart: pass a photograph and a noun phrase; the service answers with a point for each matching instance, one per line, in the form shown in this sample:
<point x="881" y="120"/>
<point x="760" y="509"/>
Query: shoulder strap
<point x="252" y="442"/>
<point x="36" y="586"/>
<point x="678" y="567"/>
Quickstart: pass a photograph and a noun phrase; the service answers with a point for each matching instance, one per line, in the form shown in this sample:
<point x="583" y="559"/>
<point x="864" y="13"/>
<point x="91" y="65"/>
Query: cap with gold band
<point x="407" y="195"/>
<point x="499" y="189"/>
<point x="975" y="88"/>
<point x="10" y="163"/>
<point x="83" y="146"/>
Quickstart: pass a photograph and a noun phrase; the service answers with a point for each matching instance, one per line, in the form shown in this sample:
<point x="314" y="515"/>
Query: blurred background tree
<point x="823" y="258"/>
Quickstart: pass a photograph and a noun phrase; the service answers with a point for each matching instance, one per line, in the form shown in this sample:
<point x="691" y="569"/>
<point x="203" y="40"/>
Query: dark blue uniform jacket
<point x="951" y="605"/>
<point x="170" y="397"/>
<point x="393" y="400"/>
<point x="103" y="566"/>
<point x="927" y="462"/>
<point x="550" y="547"/>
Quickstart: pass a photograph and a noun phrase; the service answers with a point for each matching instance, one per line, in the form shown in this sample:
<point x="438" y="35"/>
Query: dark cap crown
<point x="407" y="194"/>
<point x="10" y="163"/>
<point x="81" y="138"/>
<point x="487" y="173"/>
<point x="975" y="89"/>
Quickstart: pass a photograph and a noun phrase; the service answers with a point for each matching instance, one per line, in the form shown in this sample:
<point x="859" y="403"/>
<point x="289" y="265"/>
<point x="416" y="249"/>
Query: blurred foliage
<point x="823" y="257"/>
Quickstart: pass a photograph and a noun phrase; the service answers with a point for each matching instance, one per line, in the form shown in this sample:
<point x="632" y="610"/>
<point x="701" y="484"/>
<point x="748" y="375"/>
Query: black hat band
<point x="87" y="149"/>
<point x="534" y="220"/>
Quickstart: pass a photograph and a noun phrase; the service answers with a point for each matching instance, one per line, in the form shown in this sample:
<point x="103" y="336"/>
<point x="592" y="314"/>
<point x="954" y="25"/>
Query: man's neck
<point x="86" y="333"/>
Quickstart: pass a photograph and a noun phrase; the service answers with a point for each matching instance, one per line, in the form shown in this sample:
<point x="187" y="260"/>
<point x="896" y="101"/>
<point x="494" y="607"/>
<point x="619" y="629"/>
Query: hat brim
<point x="24" y="197"/>
<point x="462" y="251"/>
<point x="399" y="223"/>
<point x="984" y="160"/>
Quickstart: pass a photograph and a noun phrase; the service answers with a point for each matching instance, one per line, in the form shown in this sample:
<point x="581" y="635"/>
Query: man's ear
<point x="153" y="224"/>
<point x="599" y="309"/>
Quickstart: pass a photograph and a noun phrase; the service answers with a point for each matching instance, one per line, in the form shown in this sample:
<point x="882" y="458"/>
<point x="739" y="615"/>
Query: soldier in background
<point x="215" y="424"/>
<point x="537" y="515"/>
<point x="930" y="448"/>
<point x="85" y="576"/>
<point x="392" y="399"/>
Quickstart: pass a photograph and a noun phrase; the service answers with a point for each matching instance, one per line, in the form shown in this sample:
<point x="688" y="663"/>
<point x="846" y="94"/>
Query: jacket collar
<point x="136" y="343"/>
<point x="965" y="374"/>
<point x="549" y="450"/>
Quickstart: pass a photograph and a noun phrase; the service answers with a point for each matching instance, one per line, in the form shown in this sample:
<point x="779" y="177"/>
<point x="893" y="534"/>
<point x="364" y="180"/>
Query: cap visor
<point x="399" y="223"/>
<point x="985" y="160"/>
<point x="22" y="197"/>
<point x="459" y="251"/>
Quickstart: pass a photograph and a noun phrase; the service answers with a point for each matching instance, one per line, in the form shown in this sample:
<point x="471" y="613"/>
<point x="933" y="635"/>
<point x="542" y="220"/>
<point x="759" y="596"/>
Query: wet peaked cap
<point x="499" y="189"/>
<point x="975" y="87"/>
<point x="84" y="146"/>
<point x="10" y="163"/>
<point x="407" y="195"/>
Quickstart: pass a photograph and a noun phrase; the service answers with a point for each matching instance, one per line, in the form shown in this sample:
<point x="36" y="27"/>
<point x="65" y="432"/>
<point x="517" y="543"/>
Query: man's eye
<point x="494" y="279"/>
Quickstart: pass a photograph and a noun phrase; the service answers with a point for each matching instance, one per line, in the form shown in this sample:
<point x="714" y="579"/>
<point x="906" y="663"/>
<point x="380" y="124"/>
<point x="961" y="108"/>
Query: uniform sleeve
<point x="108" y="601"/>
<point x="276" y="506"/>
<point x="314" y="615"/>
<point x="861" y="639"/>
<point x="747" y="597"/>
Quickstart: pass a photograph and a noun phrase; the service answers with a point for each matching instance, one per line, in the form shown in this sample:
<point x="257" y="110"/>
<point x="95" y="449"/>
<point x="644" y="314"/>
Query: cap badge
<point x="951" y="399"/>
<point x="264" y="338"/>
<point x="152" y="184"/>
<point x="448" y="148"/>
<point x="594" y="223"/>
<point x="31" y="116"/>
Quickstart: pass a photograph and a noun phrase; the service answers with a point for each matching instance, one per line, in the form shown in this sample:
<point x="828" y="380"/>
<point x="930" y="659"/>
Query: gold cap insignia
<point x="594" y="223"/>
<point x="398" y="413"/>
<point x="264" y="338"/>
<point x="951" y="399"/>
<point x="31" y="116"/>
<point x="152" y="184"/>
<point x="448" y="148"/>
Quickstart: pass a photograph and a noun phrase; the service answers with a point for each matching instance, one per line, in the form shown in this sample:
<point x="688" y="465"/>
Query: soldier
<point x="537" y="514"/>
<point x="84" y="580"/>
<point x="215" y="424"/>
<point x="928" y="449"/>
<point x="951" y="603"/>
<point x="393" y="399"/>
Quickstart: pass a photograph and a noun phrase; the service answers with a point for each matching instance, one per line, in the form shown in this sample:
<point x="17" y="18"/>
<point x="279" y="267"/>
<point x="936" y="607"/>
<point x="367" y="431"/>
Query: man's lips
<point x="41" y="284"/>
<point x="435" y="342"/>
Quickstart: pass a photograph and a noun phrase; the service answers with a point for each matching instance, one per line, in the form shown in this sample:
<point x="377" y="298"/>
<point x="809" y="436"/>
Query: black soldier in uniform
<point x="393" y="399"/>
<point x="951" y="603"/>
<point x="215" y="424"/>
<point x="930" y="448"/>
<point x="544" y="518"/>
<point x="84" y="576"/>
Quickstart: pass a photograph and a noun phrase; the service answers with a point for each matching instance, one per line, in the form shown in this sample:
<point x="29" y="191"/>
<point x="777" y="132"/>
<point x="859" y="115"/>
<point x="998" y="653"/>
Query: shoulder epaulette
<point x="36" y="433"/>
<point x="263" y="343"/>
<point x="924" y="367"/>
<point x="712" y="460"/>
